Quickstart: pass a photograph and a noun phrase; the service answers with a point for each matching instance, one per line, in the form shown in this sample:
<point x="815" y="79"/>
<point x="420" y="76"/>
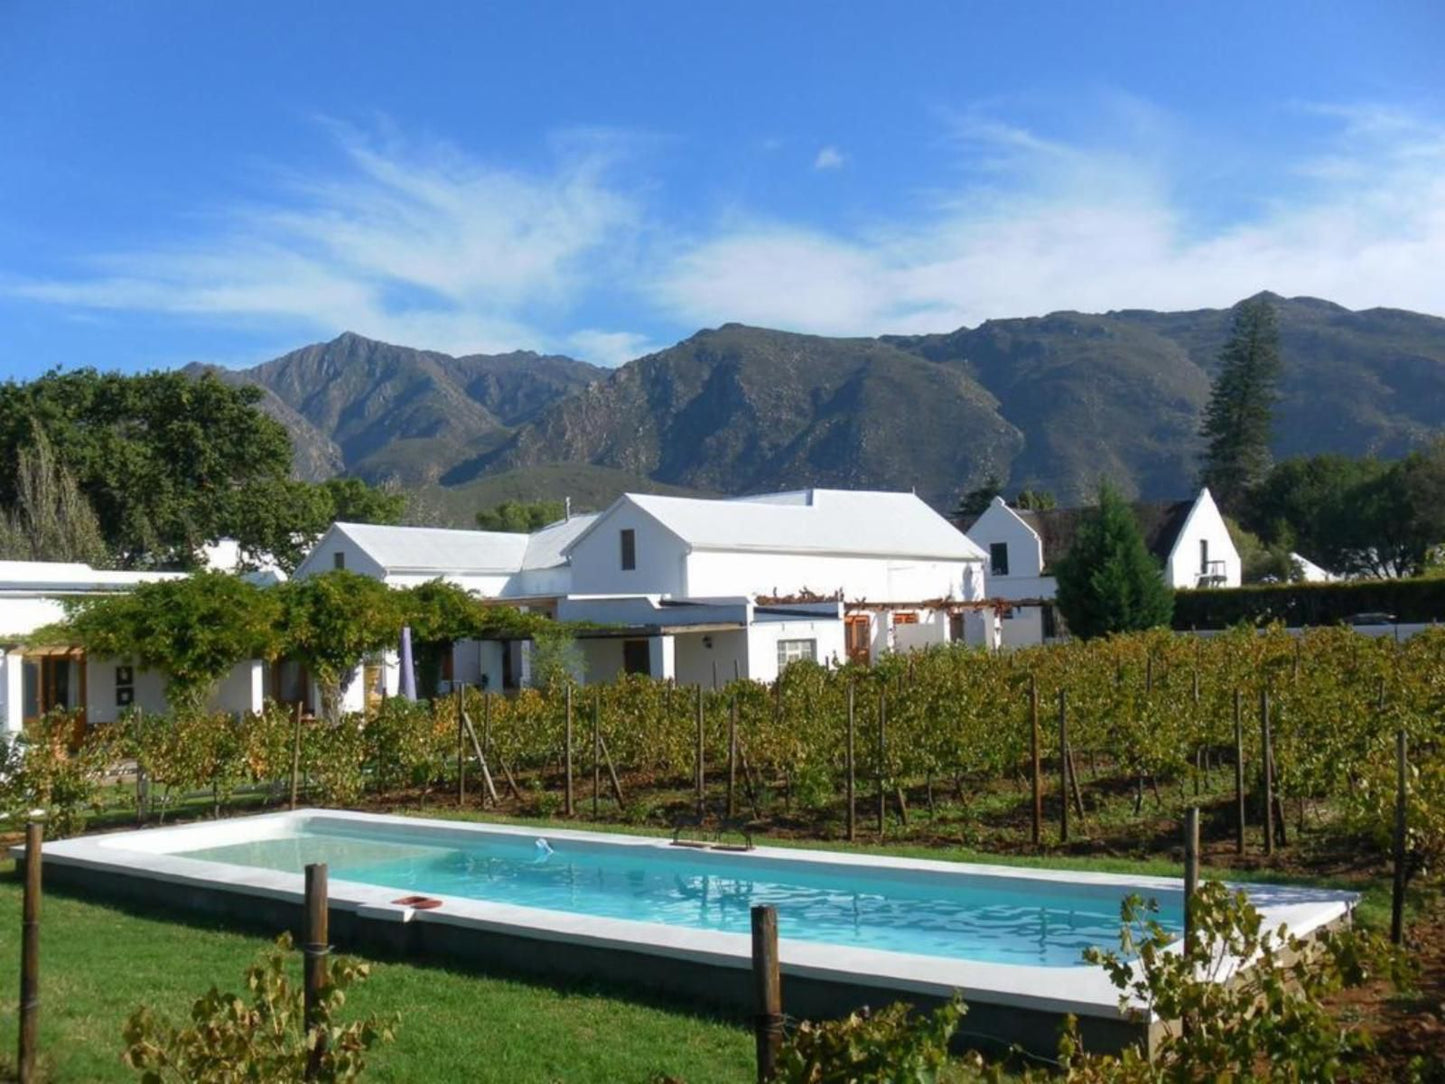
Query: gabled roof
<point x="435" y="549"/>
<point x="1159" y="522"/>
<point x="820" y="521"/>
<point x="547" y="548"/>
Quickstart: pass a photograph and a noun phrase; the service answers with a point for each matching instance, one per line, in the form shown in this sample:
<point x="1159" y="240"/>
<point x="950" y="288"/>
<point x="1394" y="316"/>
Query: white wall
<point x="22" y="616"/>
<point x="597" y="558"/>
<point x="716" y="572"/>
<point x="695" y="659"/>
<point x="1203" y="522"/>
<point x="763" y="644"/>
<point x="322" y="558"/>
<point x="1025" y="552"/>
<point x="12" y="690"/>
<point x="1025" y="628"/>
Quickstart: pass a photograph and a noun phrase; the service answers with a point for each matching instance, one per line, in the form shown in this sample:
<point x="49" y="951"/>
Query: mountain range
<point x="1052" y="402"/>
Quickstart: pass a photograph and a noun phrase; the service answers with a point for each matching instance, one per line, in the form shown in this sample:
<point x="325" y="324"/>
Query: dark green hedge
<point x="1411" y="601"/>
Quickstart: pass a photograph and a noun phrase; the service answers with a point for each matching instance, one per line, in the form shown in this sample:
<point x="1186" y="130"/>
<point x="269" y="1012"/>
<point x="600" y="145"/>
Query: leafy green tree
<point x="193" y="629"/>
<point x="1238" y="417"/>
<point x="52" y="520"/>
<point x="155" y="453"/>
<point x="975" y="502"/>
<point x="439" y="614"/>
<point x="353" y="501"/>
<point x="280" y="519"/>
<point x="331" y="622"/>
<point x="1108" y="582"/>
<point x="520" y="517"/>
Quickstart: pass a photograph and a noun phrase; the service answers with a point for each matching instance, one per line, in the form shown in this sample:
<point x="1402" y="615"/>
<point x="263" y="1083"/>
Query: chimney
<point x="567" y="509"/>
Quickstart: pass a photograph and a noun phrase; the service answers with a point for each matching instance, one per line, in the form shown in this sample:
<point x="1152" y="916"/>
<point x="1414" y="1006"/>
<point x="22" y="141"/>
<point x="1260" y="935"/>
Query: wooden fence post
<point x="767" y="981"/>
<point x="1239" y="803"/>
<point x="315" y="949"/>
<point x="701" y="767"/>
<point x="296" y="758"/>
<point x="1267" y="771"/>
<point x="1397" y="895"/>
<point x="848" y="750"/>
<point x="567" y="808"/>
<point x="30" y="955"/>
<point x="1063" y="766"/>
<point x="1038" y="780"/>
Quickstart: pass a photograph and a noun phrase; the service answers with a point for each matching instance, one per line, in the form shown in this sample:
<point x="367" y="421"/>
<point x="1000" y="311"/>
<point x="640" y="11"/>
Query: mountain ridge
<point x="1052" y="402"/>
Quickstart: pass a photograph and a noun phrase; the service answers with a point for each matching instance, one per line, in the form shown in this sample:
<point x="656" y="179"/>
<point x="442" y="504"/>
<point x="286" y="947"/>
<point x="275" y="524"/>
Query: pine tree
<point x="1108" y="582"/>
<point x="1238" y="417"/>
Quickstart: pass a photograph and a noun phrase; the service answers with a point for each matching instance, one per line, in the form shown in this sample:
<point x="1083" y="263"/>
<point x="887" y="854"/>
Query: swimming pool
<point x="853" y="928"/>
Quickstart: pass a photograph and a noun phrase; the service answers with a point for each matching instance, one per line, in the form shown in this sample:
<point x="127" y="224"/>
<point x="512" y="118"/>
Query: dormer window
<point x="629" y="549"/>
<point x="998" y="558"/>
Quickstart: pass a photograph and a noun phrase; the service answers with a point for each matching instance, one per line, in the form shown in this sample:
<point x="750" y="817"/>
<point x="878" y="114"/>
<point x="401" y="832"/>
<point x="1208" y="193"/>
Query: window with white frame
<point x="791" y="651"/>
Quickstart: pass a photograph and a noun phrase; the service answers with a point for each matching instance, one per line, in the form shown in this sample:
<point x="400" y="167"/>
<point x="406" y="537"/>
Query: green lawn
<point x="99" y="962"/>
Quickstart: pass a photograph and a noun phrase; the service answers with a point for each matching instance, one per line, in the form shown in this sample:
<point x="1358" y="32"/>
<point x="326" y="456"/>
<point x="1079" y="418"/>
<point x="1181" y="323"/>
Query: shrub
<point x="260" y="1035"/>
<point x="1267" y="1022"/>
<point x="1416" y="601"/>
<point x="895" y="1044"/>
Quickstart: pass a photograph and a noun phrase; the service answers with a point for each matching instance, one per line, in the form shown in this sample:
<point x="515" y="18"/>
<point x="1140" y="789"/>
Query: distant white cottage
<point x="699" y="590"/>
<point x="36" y="678"/>
<point x="1189" y="538"/>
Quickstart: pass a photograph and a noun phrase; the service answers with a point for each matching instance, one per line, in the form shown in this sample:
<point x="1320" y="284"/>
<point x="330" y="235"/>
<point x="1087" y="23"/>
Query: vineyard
<point x="1144" y="724"/>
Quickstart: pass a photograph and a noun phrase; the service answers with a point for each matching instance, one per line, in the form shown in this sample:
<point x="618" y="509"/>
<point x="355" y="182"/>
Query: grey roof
<point x="437" y="549"/>
<point x="545" y="548"/>
<point x="821" y="521"/>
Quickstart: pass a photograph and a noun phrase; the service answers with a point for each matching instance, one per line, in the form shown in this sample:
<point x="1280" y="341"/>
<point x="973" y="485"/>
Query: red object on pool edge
<point x="419" y="903"/>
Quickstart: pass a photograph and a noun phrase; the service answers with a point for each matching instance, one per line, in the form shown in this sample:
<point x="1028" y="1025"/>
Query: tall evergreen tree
<point x="1108" y="582"/>
<point x="1238" y="417"/>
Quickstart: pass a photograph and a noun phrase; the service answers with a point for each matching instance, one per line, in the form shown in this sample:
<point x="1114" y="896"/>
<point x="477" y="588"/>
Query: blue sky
<point x="184" y="181"/>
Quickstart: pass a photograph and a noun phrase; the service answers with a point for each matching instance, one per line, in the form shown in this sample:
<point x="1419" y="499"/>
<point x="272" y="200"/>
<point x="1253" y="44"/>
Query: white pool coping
<point x="1083" y="989"/>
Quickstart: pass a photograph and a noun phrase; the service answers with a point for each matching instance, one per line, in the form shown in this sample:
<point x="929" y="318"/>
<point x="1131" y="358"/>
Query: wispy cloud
<point x="423" y="244"/>
<point x="419" y="244"/>
<point x="1040" y="224"/>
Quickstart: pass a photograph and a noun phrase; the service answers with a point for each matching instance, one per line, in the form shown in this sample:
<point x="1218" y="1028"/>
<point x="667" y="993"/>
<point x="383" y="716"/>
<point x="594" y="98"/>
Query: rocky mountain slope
<point x="1052" y="402"/>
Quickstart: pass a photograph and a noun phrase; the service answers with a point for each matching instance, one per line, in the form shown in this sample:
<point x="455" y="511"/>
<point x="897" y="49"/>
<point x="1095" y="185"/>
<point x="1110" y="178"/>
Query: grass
<point x="99" y="962"/>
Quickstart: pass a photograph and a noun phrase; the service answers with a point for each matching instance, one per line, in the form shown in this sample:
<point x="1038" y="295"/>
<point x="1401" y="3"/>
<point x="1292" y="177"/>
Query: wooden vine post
<point x="701" y="766"/>
<point x="1191" y="872"/>
<point x="733" y="755"/>
<point x="768" y="984"/>
<point x="296" y="758"/>
<point x="1038" y="775"/>
<point x="1063" y="766"/>
<point x="461" y="751"/>
<point x="1266" y="771"/>
<point x="315" y="948"/>
<point x="30" y="956"/>
<point x="882" y="756"/>
<point x="567" y="757"/>
<point x="597" y="754"/>
<point x="1397" y="895"/>
<point x="848" y="758"/>
<point x="1239" y="802"/>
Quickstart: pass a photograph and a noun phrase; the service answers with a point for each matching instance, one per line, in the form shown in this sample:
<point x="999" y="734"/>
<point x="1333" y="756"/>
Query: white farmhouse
<point x="1189" y="538"/>
<point x="695" y="590"/>
<point x="36" y="678"/>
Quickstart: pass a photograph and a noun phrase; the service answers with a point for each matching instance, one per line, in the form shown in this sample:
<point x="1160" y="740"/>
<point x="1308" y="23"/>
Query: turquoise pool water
<point x="985" y="918"/>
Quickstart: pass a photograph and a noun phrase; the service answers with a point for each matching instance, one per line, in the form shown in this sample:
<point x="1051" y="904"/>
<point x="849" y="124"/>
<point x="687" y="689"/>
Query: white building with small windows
<point x="698" y="590"/>
<point x="1190" y="540"/>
